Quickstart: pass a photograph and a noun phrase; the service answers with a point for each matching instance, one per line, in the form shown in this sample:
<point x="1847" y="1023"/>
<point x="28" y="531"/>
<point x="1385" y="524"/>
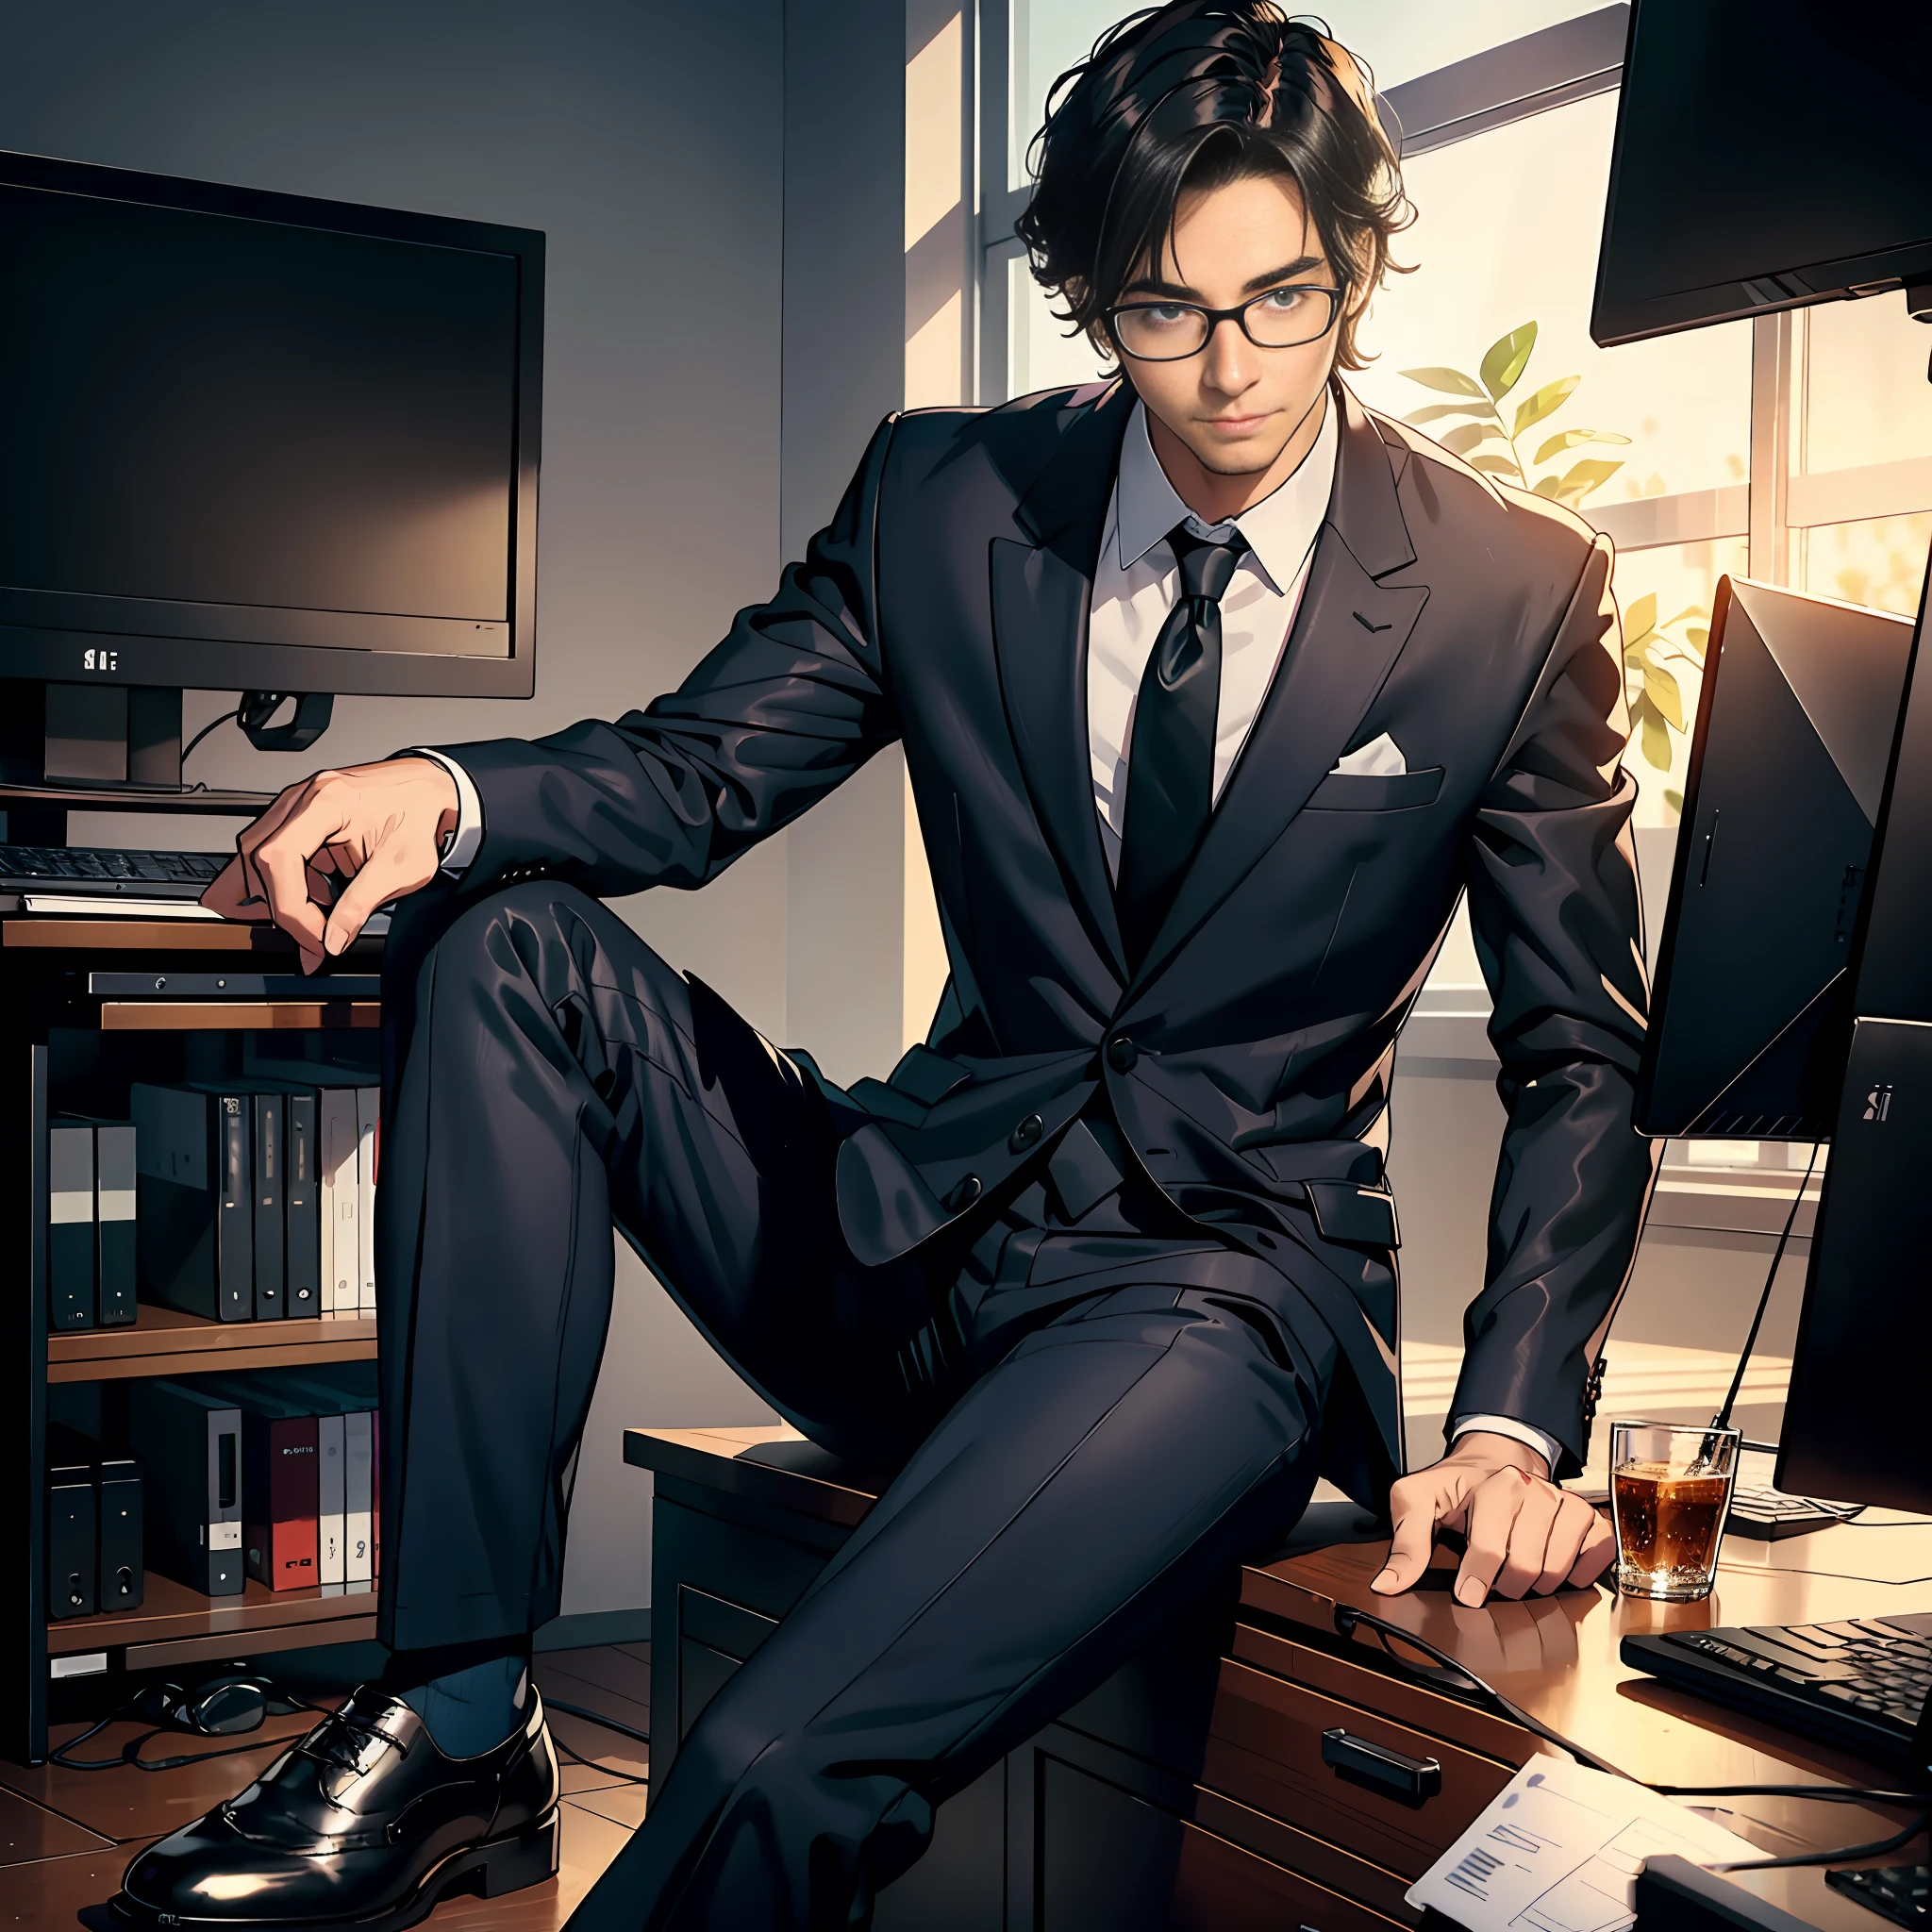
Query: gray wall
<point x="647" y="140"/>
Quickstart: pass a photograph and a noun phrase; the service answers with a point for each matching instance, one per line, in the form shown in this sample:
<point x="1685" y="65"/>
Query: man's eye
<point x="1164" y="314"/>
<point x="1285" y="301"/>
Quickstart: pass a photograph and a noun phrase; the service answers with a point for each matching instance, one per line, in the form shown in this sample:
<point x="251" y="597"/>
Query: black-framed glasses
<point x="1172" y="331"/>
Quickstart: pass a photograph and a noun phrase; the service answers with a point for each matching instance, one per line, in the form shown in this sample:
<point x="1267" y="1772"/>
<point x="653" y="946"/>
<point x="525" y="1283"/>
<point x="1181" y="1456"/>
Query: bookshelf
<point x="165" y="1341"/>
<point x="72" y="1038"/>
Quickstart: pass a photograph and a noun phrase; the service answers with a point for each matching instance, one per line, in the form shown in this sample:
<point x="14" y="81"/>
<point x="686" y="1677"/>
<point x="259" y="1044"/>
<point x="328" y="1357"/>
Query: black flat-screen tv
<point x="1769" y="152"/>
<point x="1751" y="1011"/>
<point x="253" y="441"/>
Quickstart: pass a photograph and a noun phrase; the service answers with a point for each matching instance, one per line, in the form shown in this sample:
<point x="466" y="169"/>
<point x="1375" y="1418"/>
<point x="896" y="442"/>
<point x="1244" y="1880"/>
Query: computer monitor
<point x="1856" y="1423"/>
<point x="1749" y="1014"/>
<point x="252" y="441"/>
<point x="1760" y="163"/>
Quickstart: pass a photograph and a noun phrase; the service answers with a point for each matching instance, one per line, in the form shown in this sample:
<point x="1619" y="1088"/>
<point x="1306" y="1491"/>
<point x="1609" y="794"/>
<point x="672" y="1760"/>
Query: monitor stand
<point x="117" y="746"/>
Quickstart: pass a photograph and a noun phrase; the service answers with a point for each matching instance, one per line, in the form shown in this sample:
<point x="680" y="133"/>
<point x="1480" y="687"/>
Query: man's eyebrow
<point x="1179" y="291"/>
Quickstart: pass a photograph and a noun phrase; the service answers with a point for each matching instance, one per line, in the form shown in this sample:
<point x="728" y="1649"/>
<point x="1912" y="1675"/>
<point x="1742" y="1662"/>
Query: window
<point x="1793" y="448"/>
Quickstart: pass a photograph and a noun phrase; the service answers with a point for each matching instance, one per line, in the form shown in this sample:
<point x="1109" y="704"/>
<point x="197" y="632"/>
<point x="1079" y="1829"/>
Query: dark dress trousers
<point x="1106" y="1271"/>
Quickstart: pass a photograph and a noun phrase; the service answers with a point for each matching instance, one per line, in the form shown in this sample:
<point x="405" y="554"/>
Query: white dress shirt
<point x="1135" y="581"/>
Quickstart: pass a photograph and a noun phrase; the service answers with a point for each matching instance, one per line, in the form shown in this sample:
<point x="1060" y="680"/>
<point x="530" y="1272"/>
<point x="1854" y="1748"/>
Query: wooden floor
<point x="67" y="1836"/>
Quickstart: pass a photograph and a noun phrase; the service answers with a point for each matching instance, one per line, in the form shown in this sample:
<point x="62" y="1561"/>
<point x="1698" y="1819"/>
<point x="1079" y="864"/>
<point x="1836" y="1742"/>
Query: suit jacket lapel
<point x="1042" y="591"/>
<point x="1346" y="636"/>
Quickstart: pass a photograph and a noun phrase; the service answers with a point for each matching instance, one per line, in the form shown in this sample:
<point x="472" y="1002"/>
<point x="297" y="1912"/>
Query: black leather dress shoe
<point x="364" y="1822"/>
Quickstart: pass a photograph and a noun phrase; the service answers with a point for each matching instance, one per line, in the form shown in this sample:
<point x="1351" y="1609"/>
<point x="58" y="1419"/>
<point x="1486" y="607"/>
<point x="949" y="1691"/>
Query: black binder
<point x="189" y="1444"/>
<point x="70" y="1226"/>
<point x="114" y="1224"/>
<point x="71" y="1538"/>
<point x="119" y="1572"/>
<point x="270" y="1161"/>
<point x="196" y="1217"/>
<point x="303" y="1195"/>
<point x="122" y="1567"/>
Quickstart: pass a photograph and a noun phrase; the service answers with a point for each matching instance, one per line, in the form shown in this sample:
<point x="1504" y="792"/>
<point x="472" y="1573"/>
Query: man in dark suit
<point x="1215" y="691"/>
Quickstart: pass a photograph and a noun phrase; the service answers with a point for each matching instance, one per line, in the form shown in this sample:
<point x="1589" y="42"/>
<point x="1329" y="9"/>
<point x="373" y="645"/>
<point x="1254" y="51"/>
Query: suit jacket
<point x="1246" y="1061"/>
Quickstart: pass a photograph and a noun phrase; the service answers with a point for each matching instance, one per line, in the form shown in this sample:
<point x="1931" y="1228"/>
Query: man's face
<point x="1233" y="407"/>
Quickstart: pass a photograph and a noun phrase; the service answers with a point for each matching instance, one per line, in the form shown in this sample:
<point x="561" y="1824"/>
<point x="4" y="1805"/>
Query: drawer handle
<point x="1411" y="1781"/>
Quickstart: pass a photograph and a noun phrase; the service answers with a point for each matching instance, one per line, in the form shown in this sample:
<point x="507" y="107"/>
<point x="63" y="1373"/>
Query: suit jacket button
<point x="1121" y="1052"/>
<point x="1024" y="1135"/>
<point x="964" y="1193"/>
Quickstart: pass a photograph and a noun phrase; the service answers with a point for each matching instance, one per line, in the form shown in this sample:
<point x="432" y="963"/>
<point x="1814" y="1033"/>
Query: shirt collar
<point x="1280" y="529"/>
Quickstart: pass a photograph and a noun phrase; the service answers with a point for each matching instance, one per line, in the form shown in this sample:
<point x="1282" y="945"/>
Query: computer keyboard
<point x="86" y="872"/>
<point x="1769" y="1515"/>
<point x="1863" y="1683"/>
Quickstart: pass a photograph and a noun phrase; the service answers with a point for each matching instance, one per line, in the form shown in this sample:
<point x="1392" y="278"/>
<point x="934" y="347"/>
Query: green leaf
<point x="1460" y="441"/>
<point x="1657" y="740"/>
<point x="1435" y="411"/>
<point x="1579" y="479"/>
<point x="1550" y="397"/>
<point x="1547" y="486"/>
<point x="1674" y="799"/>
<point x="1697" y="636"/>
<point x="1572" y="439"/>
<point x="1506" y="360"/>
<point x="1451" y="380"/>
<point x="1496" y="466"/>
<point x="1663" y="692"/>
<point x="1640" y="616"/>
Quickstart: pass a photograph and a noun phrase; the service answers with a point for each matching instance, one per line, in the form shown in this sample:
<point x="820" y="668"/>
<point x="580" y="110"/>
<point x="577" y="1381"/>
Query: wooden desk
<point x="1189" y="1791"/>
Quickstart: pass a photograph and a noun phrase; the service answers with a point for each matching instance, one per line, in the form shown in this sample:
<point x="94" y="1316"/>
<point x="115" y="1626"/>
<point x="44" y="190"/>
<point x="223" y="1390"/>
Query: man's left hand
<point x="1520" y="1532"/>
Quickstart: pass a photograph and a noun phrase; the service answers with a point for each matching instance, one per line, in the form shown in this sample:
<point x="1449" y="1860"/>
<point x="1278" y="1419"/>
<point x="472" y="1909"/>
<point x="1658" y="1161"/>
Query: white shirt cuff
<point x="1530" y="1437"/>
<point x="468" y="834"/>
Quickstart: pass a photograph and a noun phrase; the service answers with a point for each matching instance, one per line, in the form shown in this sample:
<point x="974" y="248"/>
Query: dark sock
<point x="470" y="1697"/>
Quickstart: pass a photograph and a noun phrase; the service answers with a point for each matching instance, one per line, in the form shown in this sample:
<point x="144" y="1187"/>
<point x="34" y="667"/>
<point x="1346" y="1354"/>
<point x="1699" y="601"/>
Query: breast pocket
<point x="1356" y="792"/>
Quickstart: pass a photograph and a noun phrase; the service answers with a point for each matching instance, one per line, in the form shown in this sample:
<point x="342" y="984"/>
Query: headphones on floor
<point x="220" y="1706"/>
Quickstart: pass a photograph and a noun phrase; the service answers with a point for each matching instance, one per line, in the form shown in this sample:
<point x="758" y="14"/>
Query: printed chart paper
<point x="1559" y="1850"/>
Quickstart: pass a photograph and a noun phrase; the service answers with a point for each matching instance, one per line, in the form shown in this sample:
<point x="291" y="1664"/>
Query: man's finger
<point x="1418" y="1503"/>
<point x="270" y="822"/>
<point x="1527" y="1553"/>
<point x="1492" y="1510"/>
<point x="1568" y="1533"/>
<point x="230" y="896"/>
<point x="1599" y="1551"/>
<point x="281" y="862"/>
<point x="389" y="873"/>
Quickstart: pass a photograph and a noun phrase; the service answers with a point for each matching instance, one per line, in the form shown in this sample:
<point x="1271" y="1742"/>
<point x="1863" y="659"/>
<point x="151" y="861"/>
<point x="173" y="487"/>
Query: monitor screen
<point x="1767" y="154"/>
<point x="250" y="440"/>
<point x="1749" y="1018"/>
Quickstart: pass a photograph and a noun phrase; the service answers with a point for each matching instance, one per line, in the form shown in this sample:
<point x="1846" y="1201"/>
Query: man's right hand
<point x="332" y="849"/>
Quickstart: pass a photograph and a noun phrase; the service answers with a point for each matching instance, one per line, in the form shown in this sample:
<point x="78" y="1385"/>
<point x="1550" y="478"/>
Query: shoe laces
<point x="352" y="1742"/>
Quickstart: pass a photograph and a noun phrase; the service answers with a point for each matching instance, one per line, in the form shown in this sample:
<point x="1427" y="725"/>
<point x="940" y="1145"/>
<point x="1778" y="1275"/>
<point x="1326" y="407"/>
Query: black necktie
<point x="1170" y="757"/>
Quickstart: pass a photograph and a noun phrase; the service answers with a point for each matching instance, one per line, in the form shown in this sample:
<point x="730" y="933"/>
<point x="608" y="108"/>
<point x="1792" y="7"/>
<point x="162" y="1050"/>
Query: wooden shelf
<point x="69" y="933"/>
<point x="165" y="1341"/>
<point x="138" y="798"/>
<point x="174" y="1614"/>
<point x="235" y="1016"/>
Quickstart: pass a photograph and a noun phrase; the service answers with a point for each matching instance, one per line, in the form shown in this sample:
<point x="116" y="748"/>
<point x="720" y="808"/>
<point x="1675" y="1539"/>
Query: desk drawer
<point x="1264" y="1748"/>
<point x="1106" y="1858"/>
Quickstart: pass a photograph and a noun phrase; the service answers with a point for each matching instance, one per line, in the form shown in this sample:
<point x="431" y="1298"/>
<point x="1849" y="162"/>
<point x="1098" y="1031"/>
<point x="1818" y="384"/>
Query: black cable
<point x="129" y="1753"/>
<point x="1347" y="1618"/>
<point x="592" y="1717"/>
<point x="227" y="718"/>
<point x="1722" y="1418"/>
<point x="1832" y="1856"/>
<point x="610" y="1723"/>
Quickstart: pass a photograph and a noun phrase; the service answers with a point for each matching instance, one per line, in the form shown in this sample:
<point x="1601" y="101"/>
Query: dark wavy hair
<point x="1195" y="95"/>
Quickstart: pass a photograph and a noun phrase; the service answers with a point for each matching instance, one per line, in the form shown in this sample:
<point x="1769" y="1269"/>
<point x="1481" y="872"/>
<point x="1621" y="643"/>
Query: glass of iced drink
<point x="1670" y="1491"/>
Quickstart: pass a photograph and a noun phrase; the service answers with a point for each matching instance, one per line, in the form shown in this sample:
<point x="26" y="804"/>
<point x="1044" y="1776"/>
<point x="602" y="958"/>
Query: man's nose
<point x="1231" y="365"/>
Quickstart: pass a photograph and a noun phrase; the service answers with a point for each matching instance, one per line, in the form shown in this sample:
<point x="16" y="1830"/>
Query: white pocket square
<point x="1379" y="758"/>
